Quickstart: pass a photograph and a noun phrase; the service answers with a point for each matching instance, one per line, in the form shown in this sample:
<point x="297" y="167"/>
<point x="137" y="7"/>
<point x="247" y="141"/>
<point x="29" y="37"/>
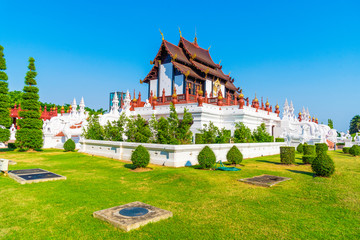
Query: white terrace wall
<point x="175" y="155"/>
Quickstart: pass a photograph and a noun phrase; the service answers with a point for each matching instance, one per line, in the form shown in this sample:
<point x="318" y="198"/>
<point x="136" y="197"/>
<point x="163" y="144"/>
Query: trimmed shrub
<point x="300" y="148"/>
<point x="234" y="155"/>
<point x="308" y="159"/>
<point x="11" y="145"/>
<point x="355" y="150"/>
<point x="69" y="145"/>
<point x="321" y="148"/>
<point x="279" y="140"/>
<point x="30" y="135"/>
<point x="309" y="150"/>
<point x="323" y="165"/>
<point x="206" y="158"/>
<point x="287" y="155"/>
<point x="346" y="150"/>
<point x="140" y="157"/>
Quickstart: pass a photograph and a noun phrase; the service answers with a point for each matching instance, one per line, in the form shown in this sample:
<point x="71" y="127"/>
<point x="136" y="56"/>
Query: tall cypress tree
<point x="29" y="136"/>
<point x="5" y="120"/>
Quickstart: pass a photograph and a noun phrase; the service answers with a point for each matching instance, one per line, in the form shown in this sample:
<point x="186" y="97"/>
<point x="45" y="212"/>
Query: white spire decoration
<point x="74" y="107"/>
<point x="115" y="104"/>
<point x="82" y="106"/>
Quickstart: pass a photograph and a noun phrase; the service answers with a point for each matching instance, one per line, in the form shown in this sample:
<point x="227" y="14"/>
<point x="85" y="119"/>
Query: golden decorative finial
<point x="220" y="62"/>
<point x="180" y="32"/>
<point x="195" y="39"/>
<point x="209" y="48"/>
<point x="193" y="56"/>
<point x="162" y="35"/>
<point x="141" y="81"/>
<point x="151" y="62"/>
<point x="229" y="73"/>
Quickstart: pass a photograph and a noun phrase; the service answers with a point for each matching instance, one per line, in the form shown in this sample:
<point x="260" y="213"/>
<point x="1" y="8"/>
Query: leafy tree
<point x="242" y="134"/>
<point x="173" y="124"/>
<point x="224" y="136"/>
<point x="154" y="128"/>
<point x="163" y="135"/>
<point x="114" y="131"/>
<point x="138" y="130"/>
<point x="184" y="134"/>
<point x="94" y="130"/>
<point x="29" y="136"/>
<point x="330" y="123"/>
<point x="261" y="135"/>
<point x="15" y="98"/>
<point x="209" y="133"/>
<point x="355" y="124"/>
<point x="5" y="120"/>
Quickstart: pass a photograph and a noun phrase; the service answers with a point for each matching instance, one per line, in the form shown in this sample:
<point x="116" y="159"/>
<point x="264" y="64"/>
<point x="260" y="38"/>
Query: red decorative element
<point x="271" y="109"/>
<point x="154" y="102"/>
<point x="187" y="93"/>
<point x="241" y="101"/>
<point x="300" y="118"/>
<point x="121" y="101"/>
<point x="247" y="101"/>
<point x="206" y="97"/>
<point x="163" y="96"/>
<point x="174" y="97"/>
<point x="139" y="98"/>
<point x="151" y="97"/>
<point x="277" y="111"/>
<point x="228" y="98"/>
<point x="62" y="111"/>
<point x="316" y="121"/>
<point x="200" y="100"/>
<point x="262" y="104"/>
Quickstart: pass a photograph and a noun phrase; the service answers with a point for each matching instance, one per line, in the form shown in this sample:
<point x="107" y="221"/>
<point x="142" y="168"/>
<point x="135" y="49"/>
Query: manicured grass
<point x="205" y="204"/>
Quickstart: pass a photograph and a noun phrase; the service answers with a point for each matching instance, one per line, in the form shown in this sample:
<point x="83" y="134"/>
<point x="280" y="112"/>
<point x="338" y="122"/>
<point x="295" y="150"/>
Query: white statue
<point x="147" y="103"/>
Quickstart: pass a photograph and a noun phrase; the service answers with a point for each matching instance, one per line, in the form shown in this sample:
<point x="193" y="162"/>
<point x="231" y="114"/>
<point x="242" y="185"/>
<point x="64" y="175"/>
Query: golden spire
<point x="241" y="94"/>
<point x="195" y="39"/>
<point x="209" y="48"/>
<point x="267" y="102"/>
<point x="162" y="35"/>
<point x="180" y="32"/>
<point x="220" y="62"/>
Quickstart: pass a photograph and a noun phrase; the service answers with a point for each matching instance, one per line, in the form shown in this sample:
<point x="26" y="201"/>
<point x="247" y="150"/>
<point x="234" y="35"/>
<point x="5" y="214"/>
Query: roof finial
<point x="162" y="35"/>
<point x="180" y="32"/>
<point x="209" y="48"/>
<point x="195" y="39"/>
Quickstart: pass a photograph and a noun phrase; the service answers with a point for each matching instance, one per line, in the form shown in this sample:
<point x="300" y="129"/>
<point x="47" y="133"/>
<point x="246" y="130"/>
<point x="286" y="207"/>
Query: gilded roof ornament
<point x="162" y="35"/>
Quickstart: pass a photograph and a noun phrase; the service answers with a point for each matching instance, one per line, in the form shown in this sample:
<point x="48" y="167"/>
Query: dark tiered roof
<point x="191" y="60"/>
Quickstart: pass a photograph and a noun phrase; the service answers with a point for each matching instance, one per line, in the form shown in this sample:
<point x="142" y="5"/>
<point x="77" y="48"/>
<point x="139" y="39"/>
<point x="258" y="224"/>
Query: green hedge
<point x="140" y="157"/>
<point x="300" y="148"/>
<point x="11" y="145"/>
<point x="287" y="155"/>
<point x="206" y="158"/>
<point x="309" y="150"/>
<point x="355" y="150"/>
<point x="234" y="155"/>
<point x="346" y="150"/>
<point x="279" y="140"/>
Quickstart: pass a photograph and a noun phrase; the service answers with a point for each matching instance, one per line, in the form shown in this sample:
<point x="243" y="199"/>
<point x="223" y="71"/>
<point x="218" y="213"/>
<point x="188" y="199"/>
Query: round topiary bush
<point x="234" y="155"/>
<point x="69" y="145"/>
<point x="321" y="148"/>
<point x="346" y="150"/>
<point x="355" y="150"/>
<point x="300" y="148"/>
<point x="206" y="158"/>
<point x="323" y="165"/>
<point x="140" y="157"/>
<point x="287" y="155"/>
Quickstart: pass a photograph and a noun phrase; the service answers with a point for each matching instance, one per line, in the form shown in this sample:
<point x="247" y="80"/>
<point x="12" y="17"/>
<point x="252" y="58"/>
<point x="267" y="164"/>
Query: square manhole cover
<point x="132" y="215"/>
<point x="265" y="180"/>
<point x="34" y="175"/>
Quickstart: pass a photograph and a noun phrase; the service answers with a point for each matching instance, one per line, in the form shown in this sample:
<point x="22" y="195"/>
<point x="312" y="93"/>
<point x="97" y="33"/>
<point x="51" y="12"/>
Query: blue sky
<point x="306" y="51"/>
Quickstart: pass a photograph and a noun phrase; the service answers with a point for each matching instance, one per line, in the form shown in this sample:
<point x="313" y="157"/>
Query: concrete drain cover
<point x="34" y="176"/>
<point x="265" y="180"/>
<point x="132" y="215"/>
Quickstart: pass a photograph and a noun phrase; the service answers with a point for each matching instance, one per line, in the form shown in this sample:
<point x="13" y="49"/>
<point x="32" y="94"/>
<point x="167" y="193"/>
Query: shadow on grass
<point x="302" y="172"/>
<point x="130" y="166"/>
<point x="266" y="161"/>
<point x="7" y="149"/>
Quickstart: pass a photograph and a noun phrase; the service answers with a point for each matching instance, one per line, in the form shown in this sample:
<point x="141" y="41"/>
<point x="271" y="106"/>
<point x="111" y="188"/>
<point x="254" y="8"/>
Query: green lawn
<point x="205" y="204"/>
